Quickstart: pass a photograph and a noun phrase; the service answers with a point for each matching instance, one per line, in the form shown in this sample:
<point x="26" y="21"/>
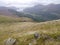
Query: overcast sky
<point x="25" y="3"/>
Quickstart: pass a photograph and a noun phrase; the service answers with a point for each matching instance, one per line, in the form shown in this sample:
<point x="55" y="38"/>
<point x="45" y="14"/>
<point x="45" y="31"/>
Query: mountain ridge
<point x="37" y="13"/>
<point x="45" y="12"/>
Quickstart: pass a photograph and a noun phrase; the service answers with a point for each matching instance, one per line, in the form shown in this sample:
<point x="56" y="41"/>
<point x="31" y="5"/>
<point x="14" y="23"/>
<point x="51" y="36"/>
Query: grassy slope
<point x="8" y="19"/>
<point x="24" y="31"/>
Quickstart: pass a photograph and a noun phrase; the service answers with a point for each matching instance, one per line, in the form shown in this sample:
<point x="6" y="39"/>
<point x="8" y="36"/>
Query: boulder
<point x="37" y="35"/>
<point x="10" y="41"/>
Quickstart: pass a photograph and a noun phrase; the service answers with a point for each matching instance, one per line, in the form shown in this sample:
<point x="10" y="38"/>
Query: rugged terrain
<point x="23" y="32"/>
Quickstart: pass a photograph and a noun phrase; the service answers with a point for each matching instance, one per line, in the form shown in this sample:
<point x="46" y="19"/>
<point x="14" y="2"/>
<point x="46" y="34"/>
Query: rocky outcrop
<point x="10" y="41"/>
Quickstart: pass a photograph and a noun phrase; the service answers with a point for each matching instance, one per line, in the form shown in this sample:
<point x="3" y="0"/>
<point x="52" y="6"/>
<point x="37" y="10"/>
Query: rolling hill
<point x="9" y="19"/>
<point x="6" y="11"/>
<point x="8" y="14"/>
<point x="24" y="32"/>
<point x="45" y="12"/>
<point x="38" y="13"/>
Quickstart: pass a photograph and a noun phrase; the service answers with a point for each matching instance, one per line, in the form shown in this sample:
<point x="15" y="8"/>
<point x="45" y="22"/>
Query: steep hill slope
<point x="6" y="11"/>
<point x="24" y="32"/>
<point x="12" y="12"/>
<point x="45" y="12"/>
<point x="38" y="13"/>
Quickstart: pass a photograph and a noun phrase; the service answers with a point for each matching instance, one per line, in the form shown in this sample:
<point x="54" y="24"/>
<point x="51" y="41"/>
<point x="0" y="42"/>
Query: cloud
<point x="47" y="1"/>
<point x="26" y="3"/>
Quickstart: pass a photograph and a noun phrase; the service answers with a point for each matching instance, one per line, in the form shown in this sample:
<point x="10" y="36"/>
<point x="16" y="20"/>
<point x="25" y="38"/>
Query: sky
<point x="26" y="3"/>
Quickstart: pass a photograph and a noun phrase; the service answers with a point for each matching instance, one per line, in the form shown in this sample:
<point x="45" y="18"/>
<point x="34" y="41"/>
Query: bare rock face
<point x="10" y="41"/>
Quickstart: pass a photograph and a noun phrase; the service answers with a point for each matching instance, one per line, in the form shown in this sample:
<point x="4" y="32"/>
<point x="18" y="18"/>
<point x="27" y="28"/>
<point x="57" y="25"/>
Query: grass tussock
<point x="24" y="32"/>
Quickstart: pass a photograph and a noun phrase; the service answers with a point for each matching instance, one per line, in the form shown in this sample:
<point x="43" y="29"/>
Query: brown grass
<point x="24" y="30"/>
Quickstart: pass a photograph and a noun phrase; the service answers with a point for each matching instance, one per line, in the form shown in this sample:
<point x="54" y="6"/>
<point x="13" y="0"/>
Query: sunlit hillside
<point x="23" y="32"/>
